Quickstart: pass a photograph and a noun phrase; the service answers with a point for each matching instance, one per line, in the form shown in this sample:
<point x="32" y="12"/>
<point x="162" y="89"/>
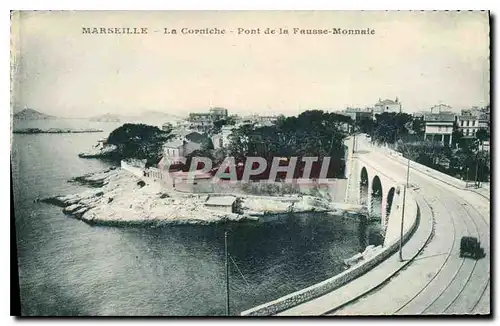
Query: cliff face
<point x="30" y="114"/>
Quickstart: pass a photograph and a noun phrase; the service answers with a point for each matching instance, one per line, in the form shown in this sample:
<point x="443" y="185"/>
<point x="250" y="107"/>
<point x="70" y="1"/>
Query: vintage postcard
<point x="251" y="163"/>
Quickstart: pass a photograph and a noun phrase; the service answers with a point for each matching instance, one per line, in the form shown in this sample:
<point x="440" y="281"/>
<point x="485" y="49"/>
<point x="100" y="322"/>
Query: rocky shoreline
<point x="105" y="151"/>
<point x="118" y="198"/>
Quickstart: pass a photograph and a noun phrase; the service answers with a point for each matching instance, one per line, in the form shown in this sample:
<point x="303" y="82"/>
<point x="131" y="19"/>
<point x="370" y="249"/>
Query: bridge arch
<point x="389" y="201"/>
<point x="363" y="187"/>
<point x="376" y="195"/>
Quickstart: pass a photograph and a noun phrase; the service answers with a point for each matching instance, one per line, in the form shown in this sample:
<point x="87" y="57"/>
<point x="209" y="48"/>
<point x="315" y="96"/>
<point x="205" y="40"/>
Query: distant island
<point x="53" y="131"/>
<point x="30" y="114"/>
<point x="108" y="117"/>
<point x="148" y="117"/>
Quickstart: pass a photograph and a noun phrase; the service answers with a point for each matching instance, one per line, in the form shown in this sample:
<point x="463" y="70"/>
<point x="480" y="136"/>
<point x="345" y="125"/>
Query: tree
<point x="457" y="137"/>
<point x="366" y="125"/>
<point x="482" y="135"/>
<point x="390" y="126"/>
<point x="139" y="141"/>
<point x="418" y="126"/>
<point x="312" y="133"/>
<point x="229" y="121"/>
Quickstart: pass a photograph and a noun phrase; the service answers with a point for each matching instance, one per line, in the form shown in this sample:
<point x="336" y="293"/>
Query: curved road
<point x="437" y="281"/>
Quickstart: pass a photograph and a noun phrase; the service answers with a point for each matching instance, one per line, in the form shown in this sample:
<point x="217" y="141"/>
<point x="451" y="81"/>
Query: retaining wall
<point x="132" y="169"/>
<point x="319" y="289"/>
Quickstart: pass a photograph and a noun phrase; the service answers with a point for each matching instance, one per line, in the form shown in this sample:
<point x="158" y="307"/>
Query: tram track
<point x="434" y="280"/>
<point x="434" y="283"/>
<point x="422" y="199"/>
<point x="462" y="279"/>
<point x="464" y="268"/>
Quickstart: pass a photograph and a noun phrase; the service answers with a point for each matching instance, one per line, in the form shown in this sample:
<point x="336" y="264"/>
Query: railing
<point x="154" y="173"/>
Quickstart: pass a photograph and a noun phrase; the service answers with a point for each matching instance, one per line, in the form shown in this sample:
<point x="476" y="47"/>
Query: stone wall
<point x="137" y="171"/>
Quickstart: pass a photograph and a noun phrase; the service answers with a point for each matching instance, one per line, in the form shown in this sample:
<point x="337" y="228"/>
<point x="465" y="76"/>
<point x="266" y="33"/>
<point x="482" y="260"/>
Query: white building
<point x="222" y="203"/>
<point x="484" y="118"/>
<point x="356" y="114"/>
<point x="223" y="138"/>
<point x="183" y="143"/>
<point x="174" y="148"/>
<point x="218" y="114"/>
<point x="485" y="146"/>
<point x="439" y="127"/>
<point x="205" y="121"/>
<point x="387" y="106"/>
<point x="468" y="125"/>
<point x="441" y="108"/>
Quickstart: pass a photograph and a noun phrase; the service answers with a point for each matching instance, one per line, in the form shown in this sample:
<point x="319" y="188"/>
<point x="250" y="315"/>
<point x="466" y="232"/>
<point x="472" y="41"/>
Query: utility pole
<point x="476" y="179"/>
<point x="227" y="274"/>
<point x="354" y="143"/>
<point x="482" y="168"/>
<point x="402" y="226"/>
<point x="403" y="211"/>
<point x="408" y="174"/>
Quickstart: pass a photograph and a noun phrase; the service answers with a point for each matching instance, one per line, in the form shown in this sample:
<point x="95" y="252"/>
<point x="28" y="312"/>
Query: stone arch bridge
<point x="374" y="187"/>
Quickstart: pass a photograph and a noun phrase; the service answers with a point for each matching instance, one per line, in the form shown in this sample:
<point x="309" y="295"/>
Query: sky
<point x="423" y="58"/>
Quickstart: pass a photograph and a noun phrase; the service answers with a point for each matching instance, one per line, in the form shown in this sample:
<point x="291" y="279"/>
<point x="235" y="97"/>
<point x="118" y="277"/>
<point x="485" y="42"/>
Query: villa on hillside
<point x="183" y="143"/>
<point x="204" y="121"/>
<point x="439" y="124"/>
<point x="387" y="106"/>
<point x="468" y="124"/>
<point x="471" y="120"/>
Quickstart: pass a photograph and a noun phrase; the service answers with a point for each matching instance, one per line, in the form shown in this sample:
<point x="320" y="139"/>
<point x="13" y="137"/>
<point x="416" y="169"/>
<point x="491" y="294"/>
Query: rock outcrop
<point x="117" y="197"/>
<point x="100" y="152"/>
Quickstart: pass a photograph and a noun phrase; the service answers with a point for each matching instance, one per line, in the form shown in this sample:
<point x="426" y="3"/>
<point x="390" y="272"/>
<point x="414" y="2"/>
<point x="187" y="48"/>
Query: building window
<point x="467" y="123"/>
<point x="462" y="123"/>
